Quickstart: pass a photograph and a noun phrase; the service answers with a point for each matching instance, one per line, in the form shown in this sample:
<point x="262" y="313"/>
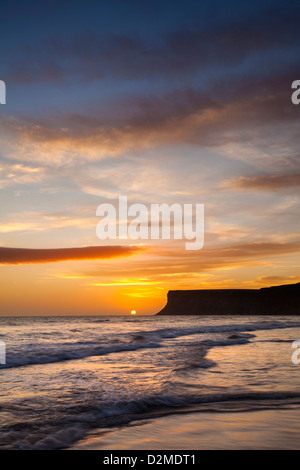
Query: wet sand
<point x="270" y="429"/>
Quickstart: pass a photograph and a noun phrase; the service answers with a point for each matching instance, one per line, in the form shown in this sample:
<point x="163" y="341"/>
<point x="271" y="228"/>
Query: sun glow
<point x="133" y="312"/>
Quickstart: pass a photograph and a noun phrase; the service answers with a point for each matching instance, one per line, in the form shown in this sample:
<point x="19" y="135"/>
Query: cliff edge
<point x="276" y="300"/>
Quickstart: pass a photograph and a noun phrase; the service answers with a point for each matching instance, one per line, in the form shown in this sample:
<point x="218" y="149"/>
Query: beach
<point x="261" y="430"/>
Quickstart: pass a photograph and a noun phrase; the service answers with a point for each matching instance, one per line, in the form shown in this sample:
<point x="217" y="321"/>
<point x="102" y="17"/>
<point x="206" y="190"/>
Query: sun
<point x="133" y="312"/>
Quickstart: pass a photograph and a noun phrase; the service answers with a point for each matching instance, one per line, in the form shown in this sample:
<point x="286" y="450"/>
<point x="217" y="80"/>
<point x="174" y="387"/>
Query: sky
<point x="162" y="102"/>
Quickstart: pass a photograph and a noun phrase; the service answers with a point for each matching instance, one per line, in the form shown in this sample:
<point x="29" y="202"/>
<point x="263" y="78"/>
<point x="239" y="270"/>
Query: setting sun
<point x="133" y="312"/>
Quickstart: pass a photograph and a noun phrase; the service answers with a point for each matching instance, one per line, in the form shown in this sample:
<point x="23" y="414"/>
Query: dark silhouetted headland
<point x="276" y="300"/>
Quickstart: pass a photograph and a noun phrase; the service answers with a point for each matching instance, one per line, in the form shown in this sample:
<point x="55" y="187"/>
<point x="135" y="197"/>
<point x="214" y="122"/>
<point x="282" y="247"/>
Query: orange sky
<point x="141" y="281"/>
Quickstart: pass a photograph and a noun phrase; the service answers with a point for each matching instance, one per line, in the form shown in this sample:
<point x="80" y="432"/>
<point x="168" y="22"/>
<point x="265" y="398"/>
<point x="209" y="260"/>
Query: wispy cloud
<point x="56" y="142"/>
<point x="20" y="174"/>
<point x="264" y="182"/>
<point x="168" y="265"/>
<point x="273" y="280"/>
<point x="39" y="222"/>
<point x="31" y="256"/>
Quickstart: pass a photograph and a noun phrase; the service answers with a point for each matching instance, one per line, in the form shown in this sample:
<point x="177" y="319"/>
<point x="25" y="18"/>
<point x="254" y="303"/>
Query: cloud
<point x="269" y="280"/>
<point x="51" y="255"/>
<point x="213" y="267"/>
<point x="183" y="265"/>
<point x="232" y="255"/>
<point x="91" y="56"/>
<point x="19" y="174"/>
<point x="264" y="182"/>
<point x="36" y="221"/>
<point x="58" y="141"/>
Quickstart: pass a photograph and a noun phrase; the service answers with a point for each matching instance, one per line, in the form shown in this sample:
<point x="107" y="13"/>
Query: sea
<point x="64" y="377"/>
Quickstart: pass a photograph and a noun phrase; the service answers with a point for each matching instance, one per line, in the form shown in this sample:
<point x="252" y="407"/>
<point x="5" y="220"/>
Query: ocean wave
<point x="29" y="355"/>
<point x="50" y="356"/>
<point x="43" y="353"/>
<point x="73" y="423"/>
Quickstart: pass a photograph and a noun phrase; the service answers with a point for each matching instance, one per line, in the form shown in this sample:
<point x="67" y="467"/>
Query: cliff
<point x="276" y="300"/>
